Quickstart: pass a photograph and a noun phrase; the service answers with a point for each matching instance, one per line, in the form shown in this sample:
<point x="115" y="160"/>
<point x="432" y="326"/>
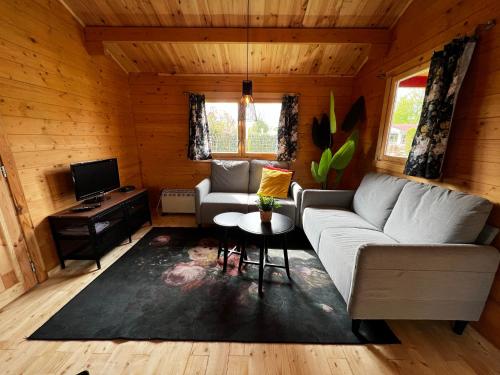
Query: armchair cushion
<point x="430" y="214"/>
<point x="230" y="176"/>
<point x="216" y="203"/>
<point x="376" y="197"/>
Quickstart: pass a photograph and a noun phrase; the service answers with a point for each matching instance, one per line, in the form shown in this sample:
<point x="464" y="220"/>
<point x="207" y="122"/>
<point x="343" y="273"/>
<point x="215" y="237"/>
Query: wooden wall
<point x="473" y="158"/>
<point x="161" y="119"/>
<point x="59" y="105"/>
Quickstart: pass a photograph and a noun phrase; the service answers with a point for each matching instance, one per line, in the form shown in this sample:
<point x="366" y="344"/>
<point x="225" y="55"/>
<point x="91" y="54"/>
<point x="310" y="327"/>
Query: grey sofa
<point x="397" y="249"/>
<point x="233" y="185"/>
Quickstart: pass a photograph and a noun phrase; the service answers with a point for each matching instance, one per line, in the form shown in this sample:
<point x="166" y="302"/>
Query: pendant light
<point x="246" y="101"/>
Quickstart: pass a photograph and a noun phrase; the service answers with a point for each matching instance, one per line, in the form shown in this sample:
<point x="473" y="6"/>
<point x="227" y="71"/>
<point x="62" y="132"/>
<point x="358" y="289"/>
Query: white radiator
<point x="177" y="201"/>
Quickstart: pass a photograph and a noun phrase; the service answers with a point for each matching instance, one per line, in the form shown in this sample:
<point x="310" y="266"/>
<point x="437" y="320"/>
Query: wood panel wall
<point x="59" y="105"/>
<point x="161" y="119"/>
<point x="473" y="157"/>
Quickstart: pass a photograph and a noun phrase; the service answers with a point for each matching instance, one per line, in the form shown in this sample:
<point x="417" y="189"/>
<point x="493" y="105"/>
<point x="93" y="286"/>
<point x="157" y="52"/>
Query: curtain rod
<point x="487" y="26"/>
<point x="202" y="93"/>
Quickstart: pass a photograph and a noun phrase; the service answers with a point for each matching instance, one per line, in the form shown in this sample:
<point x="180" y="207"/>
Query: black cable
<point x="248" y="30"/>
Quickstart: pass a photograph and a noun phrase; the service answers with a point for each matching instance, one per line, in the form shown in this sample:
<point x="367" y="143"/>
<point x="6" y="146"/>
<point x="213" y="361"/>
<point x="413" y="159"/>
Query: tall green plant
<point x="338" y="161"/>
<point x="333" y="119"/>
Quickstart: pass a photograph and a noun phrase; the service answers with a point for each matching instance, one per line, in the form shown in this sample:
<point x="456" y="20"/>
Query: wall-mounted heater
<point x="177" y="201"/>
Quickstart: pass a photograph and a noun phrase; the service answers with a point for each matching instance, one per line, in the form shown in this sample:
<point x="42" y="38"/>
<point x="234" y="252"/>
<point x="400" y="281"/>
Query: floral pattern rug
<point x="170" y="286"/>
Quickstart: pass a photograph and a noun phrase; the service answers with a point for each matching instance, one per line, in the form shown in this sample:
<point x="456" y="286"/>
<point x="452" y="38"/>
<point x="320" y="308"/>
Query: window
<point x="406" y="110"/>
<point x="404" y="98"/>
<point x="262" y="135"/>
<point x="223" y="126"/>
<point x="229" y="137"/>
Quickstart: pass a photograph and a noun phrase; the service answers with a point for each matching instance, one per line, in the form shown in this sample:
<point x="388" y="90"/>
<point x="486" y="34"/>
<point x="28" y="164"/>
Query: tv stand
<point x="88" y="235"/>
<point x="97" y="199"/>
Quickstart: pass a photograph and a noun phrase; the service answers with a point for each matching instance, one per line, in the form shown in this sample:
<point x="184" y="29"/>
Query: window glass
<point x="405" y="115"/>
<point x="222" y="120"/>
<point x="262" y="135"/>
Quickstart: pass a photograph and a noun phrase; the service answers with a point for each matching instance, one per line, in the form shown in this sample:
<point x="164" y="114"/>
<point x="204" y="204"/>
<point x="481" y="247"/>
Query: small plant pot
<point x="266" y="216"/>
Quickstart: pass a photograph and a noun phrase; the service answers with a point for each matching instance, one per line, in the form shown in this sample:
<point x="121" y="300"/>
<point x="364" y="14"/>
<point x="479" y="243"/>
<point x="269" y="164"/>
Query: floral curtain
<point x="446" y="74"/>
<point x="199" y="137"/>
<point x="287" y="129"/>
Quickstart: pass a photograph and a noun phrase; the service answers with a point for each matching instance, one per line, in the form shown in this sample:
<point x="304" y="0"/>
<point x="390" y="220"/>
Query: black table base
<point x="228" y="222"/>
<point x="239" y="248"/>
<point x="264" y="259"/>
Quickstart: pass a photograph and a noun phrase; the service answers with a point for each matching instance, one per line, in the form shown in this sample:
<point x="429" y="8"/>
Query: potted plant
<point x="266" y="205"/>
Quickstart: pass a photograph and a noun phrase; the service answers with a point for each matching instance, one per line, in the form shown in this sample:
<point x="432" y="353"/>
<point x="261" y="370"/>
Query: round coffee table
<point x="227" y="221"/>
<point x="280" y="225"/>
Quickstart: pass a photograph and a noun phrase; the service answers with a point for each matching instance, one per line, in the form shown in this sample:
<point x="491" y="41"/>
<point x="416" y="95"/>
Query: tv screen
<point x="95" y="177"/>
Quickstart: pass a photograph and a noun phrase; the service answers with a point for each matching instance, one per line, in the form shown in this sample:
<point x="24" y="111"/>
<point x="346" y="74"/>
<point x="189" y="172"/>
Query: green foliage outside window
<point x="223" y="131"/>
<point x="259" y="138"/>
<point x="408" y="107"/>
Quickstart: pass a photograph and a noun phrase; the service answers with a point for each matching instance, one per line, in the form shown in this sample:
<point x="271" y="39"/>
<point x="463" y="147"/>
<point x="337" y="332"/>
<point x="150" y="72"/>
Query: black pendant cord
<point x="248" y="29"/>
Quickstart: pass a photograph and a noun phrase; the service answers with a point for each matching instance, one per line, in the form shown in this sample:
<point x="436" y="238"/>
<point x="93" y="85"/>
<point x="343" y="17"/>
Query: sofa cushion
<point x="230" y="176"/>
<point x="216" y="203"/>
<point x="376" y="196"/>
<point x="315" y="220"/>
<point x="338" y="248"/>
<point x="426" y="213"/>
<point x="275" y="183"/>
<point x="287" y="206"/>
<point x="256" y="172"/>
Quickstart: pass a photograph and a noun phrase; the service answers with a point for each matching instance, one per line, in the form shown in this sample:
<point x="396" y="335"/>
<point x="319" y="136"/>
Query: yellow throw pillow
<point x="275" y="183"/>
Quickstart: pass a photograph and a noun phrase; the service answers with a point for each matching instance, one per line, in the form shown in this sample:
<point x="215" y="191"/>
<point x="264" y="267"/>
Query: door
<point x="16" y="270"/>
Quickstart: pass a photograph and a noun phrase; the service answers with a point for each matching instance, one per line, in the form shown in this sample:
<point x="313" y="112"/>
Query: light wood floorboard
<point x="428" y="347"/>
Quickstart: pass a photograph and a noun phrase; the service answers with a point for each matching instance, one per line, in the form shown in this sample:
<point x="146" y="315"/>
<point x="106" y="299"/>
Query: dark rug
<point x="170" y="286"/>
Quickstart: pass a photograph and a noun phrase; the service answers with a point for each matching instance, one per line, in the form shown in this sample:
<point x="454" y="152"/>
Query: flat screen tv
<point x="94" y="178"/>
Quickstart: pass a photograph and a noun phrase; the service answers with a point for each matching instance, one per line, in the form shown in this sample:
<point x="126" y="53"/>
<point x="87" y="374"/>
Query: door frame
<point x="33" y="258"/>
<point x="14" y="246"/>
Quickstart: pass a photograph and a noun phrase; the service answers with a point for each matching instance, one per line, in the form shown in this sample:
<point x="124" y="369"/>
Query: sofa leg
<point x="459" y="326"/>
<point x="356" y="323"/>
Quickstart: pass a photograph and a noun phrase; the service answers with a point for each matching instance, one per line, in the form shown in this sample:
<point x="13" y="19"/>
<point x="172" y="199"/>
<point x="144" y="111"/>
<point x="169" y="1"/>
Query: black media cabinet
<point x="88" y="235"/>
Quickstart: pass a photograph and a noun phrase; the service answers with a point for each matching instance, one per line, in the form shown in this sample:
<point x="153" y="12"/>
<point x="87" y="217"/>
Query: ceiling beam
<point x="95" y="36"/>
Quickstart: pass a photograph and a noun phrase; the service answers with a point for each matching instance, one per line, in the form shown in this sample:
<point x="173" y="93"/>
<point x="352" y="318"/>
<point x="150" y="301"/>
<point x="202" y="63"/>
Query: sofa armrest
<point x="327" y="198"/>
<point x="429" y="257"/>
<point x="200" y="191"/>
<point x="296" y="193"/>
<point x="427" y="281"/>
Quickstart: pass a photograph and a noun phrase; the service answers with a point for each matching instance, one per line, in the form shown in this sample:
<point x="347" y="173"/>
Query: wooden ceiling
<point x="232" y="13"/>
<point x="213" y="58"/>
<point x="205" y="57"/>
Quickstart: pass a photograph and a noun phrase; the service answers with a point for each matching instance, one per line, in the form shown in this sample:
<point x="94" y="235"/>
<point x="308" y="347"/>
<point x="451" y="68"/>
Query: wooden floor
<point x="428" y="347"/>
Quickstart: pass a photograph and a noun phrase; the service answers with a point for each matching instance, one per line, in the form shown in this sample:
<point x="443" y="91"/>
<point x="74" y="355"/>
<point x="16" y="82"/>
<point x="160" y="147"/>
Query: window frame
<point x="392" y="163"/>
<point x="225" y="97"/>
